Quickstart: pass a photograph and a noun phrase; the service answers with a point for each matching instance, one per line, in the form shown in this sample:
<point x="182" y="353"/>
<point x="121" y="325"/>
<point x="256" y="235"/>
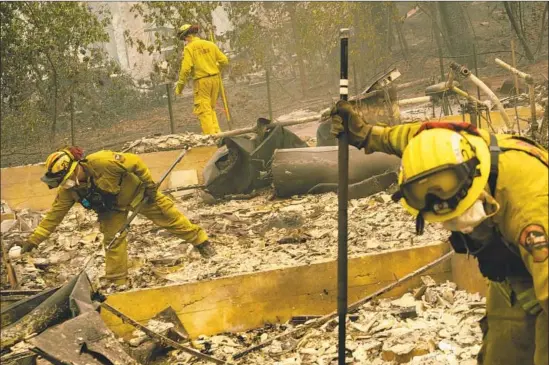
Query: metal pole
<point x="222" y="92"/>
<point x="342" y="195"/>
<point x="268" y="80"/>
<point x="515" y="78"/>
<point x="168" y="90"/>
<point x="477" y="117"/>
<point x="355" y="82"/>
<point x="71" y="102"/>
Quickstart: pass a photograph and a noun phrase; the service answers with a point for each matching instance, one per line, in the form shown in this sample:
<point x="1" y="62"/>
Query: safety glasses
<point x="440" y="190"/>
<point x="53" y="180"/>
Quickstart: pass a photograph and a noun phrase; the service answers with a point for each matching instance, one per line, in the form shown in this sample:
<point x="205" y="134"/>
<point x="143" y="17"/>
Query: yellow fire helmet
<point x="183" y="30"/>
<point x="443" y="172"/>
<point x="59" y="167"/>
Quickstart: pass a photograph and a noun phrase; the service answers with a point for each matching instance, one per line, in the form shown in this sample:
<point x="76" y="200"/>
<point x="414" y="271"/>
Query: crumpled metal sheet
<point x="22" y="307"/>
<point x="86" y="340"/>
<point x="240" y="166"/>
<point x="71" y="299"/>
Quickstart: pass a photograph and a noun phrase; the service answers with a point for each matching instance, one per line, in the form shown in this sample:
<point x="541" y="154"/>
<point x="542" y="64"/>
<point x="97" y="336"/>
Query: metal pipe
<point x="532" y="96"/>
<point x="157" y="337"/>
<point x="464" y="71"/>
<point x="515" y="79"/>
<point x="529" y="81"/>
<point x="527" y="77"/>
<point x="222" y="92"/>
<point x="342" y="197"/>
<point x="466" y="95"/>
<point x="168" y="90"/>
<point x="268" y="80"/>
<point x="418" y="100"/>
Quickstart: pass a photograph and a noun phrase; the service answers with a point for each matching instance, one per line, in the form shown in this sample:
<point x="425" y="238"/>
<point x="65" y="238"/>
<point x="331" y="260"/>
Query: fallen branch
<point x="324" y="319"/>
<point x="160" y="338"/>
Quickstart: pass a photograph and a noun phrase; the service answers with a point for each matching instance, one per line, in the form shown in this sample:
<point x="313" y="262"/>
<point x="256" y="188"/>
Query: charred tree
<point x="457" y="31"/>
<point x="518" y="31"/>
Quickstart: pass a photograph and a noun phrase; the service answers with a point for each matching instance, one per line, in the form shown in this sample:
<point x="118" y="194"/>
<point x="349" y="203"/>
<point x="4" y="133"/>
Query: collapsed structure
<point x="256" y="233"/>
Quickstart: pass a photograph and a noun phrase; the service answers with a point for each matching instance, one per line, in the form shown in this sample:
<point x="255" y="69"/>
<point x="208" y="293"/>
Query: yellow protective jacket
<point x="121" y="174"/>
<point x="522" y="191"/>
<point x="201" y="58"/>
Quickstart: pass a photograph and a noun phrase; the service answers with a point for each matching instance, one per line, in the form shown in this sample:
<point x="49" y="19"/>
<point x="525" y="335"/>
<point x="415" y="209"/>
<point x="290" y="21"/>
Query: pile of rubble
<point x="436" y="324"/>
<point x="249" y="235"/>
<point x="184" y="140"/>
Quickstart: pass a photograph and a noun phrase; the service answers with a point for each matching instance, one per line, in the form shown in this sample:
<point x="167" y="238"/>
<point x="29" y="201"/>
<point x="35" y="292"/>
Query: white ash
<point x="249" y="235"/>
<point x="440" y="334"/>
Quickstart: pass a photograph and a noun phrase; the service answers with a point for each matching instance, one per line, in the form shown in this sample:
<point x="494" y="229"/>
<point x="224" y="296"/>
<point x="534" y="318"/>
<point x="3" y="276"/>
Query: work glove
<point x="150" y="195"/>
<point x="26" y="246"/>
<point x="206" y="249"/>
<point x="358" y="129"/>
<point x="179" y="87"/>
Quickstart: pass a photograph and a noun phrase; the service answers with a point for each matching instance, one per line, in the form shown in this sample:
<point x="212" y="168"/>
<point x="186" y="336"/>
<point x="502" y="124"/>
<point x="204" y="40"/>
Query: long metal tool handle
<point x="342" y="199"/>
<point x="159" y="337"/>
<point x="222" y="92"/>
<point x="12" y="276"/>
<point x="142" y="203"/>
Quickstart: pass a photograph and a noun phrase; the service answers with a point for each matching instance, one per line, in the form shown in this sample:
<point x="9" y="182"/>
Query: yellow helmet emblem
<point x="59" y="167"/>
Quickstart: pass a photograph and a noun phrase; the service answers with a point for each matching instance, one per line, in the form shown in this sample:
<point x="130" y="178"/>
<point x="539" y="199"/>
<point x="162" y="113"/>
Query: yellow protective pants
<point x="163" y="213"/>
<point x="510" y="335"/>
<point x="206" y="92"/>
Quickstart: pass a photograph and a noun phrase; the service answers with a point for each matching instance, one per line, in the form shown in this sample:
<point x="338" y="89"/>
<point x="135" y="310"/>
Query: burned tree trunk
<point x="518" y="31"/>
<point x="456" y="29"/>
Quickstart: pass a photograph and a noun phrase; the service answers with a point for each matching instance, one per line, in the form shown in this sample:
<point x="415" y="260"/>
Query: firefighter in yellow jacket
<point x="111" y="184"/>
<point x="491" y="192"/>
<point x="202" y="59"/>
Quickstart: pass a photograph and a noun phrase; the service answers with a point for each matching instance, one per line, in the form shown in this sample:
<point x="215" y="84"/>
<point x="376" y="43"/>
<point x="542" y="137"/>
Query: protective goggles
<point x="53" y="180"/>
<point x="441" y="189"/>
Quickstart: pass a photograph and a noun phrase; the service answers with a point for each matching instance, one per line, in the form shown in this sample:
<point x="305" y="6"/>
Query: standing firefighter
<point x="491" y="192"/>
<point x="111" y="184"/>
<point x="202" y="59"/>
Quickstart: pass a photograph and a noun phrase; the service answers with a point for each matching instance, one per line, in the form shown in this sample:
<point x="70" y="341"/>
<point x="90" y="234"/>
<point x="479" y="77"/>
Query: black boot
<point x="206" y="249"/>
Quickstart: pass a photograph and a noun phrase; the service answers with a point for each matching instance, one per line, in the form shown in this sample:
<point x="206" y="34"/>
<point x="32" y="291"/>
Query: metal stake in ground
<point x="342" y="195"/>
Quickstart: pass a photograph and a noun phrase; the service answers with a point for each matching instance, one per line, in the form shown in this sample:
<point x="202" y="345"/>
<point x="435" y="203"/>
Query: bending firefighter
<point x="202" y="59"/>
<point x="111" y="184"/>
<point x="491" y="192"/>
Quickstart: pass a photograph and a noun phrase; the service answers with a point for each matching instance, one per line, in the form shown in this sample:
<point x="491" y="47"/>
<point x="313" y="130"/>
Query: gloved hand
<point x="26" y="246"/>
<point x="179" y="87"/>
<point x="150" y="194"/>
<point x="206" y="249"/>
<point x="358" y="129"/>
